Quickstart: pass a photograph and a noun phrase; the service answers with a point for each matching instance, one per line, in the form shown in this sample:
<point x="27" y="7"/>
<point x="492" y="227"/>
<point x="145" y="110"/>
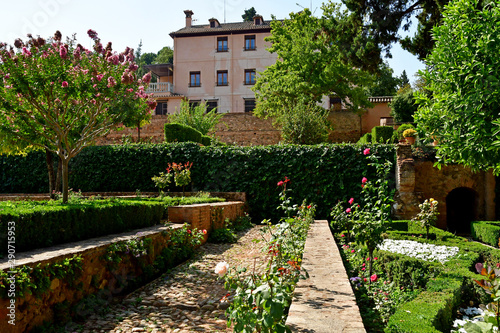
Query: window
<point x="222" y="78"/>
<point x="335" y="103"/>
<point x="222" y="44"/>
<point x="257" y="21"/>
<point x="250" y="42"/>
<point x="249" y="76"/>
<point x="194" y="103"/>
<point x="211" y="105"/>
<point x="212" y="24"/>
<point x="194" y="79"/>
<point x="249" y="104"/>
<point x="161" y="108"/>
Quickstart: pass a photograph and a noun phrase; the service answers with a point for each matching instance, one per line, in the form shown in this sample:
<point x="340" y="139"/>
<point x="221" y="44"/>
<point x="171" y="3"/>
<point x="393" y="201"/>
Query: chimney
<point x="188" y="13"/>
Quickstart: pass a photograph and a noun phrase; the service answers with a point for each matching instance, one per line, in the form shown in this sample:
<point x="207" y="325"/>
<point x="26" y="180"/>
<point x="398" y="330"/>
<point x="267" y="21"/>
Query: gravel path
<point x="187" y="299"/>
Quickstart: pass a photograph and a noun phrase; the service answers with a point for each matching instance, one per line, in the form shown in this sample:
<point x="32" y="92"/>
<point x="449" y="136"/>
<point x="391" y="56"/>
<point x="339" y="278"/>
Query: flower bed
<point x="408" y="293"/>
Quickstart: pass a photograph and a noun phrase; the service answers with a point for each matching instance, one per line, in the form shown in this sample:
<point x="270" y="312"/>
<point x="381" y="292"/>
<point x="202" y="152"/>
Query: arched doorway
<point x="461" y="208"/>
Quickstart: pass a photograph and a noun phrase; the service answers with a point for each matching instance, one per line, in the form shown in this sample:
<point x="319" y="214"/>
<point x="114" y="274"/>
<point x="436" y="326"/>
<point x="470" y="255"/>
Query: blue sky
<point x="126" y="22"/>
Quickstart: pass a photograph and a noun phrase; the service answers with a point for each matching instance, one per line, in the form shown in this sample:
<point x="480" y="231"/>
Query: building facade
<point x="213" y="63"/>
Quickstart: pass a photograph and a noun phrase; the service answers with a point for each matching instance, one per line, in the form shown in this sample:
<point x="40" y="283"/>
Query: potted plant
<point x="410" y="135"/>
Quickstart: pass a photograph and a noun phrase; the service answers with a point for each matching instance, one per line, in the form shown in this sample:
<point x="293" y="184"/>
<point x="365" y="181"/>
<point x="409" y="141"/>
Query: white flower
<point x="424" y="251"/>
<point x="221" y="268"/>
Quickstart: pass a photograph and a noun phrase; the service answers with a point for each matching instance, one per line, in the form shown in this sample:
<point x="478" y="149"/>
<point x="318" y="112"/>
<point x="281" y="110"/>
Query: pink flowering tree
<point x="61" y="96"/>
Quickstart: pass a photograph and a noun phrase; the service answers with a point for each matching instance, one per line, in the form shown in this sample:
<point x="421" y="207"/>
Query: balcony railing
<point x="160" y="87"/>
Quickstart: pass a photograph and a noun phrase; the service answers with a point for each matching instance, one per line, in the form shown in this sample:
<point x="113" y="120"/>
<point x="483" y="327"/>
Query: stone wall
<point x="417" y="180"/>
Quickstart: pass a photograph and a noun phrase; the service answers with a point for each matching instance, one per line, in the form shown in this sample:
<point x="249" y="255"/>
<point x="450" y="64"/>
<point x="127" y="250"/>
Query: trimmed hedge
<point x="41" y="224"/>
<point x="322" y="174"/>
<point x="434" y="309"/>
<point x="181" y="133"/>
<point x="365" y="139"/>
<point x="382" y="134"/>
<point x="486" y="231"/>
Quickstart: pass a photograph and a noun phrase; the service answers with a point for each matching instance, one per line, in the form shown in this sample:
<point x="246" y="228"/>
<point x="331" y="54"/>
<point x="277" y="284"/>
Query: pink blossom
<point x="99" y="77"/>
<point x="348" y="210"/>
<point x="351" y="201"/>
<point x="373" y="278"/>
<point x="151" y="103"/>
<point x="92" y="34"/>
<point x="7" y="76"/>
<point x="280" y="183"/>
<point x="352" y="251"/>
<point x="133" y="67"/>
<point x="111" y="82"/>
<point x="363" y="269"/>
<point x="342" y="235"/>
<point x="26" y="52"/>
<point x="64" y="84"/>
<point x="364" y="180"/>
<point x="146" y="78"/>
<point x="366" y="151"/>
<point x="63" y="52"/>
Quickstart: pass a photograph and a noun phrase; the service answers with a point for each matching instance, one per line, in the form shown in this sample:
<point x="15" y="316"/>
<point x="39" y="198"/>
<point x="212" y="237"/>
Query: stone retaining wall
<point x="97" y="276"/>
<point x="325" y="302"/>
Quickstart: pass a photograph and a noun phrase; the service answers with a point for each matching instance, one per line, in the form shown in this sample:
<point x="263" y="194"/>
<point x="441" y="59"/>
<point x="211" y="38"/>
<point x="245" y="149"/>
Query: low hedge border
<point x="433" y="310"/>
<point x="486" y="231"/>
<point x="38" y="224"/>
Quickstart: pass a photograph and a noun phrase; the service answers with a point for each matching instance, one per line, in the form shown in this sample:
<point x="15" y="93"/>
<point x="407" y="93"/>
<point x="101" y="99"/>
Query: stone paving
<point x="186" y="299"/>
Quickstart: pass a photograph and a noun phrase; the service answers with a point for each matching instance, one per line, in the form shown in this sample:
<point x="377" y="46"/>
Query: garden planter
<point x="410" y="139"/>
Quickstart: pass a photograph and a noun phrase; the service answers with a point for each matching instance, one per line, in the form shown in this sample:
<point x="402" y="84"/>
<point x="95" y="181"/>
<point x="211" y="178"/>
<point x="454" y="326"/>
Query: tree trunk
<point x="65" y="178"/>
<point x="59" y="176"/>
<point x="50" y="169"/>
<point x="138" y="134"/>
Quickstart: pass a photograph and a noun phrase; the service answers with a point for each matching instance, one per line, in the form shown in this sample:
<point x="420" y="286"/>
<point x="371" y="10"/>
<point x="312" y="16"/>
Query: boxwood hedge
<point x="322" y="174"/>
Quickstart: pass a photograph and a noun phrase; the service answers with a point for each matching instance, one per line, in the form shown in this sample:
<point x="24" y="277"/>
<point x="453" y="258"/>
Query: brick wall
<point x="244" y="129"/>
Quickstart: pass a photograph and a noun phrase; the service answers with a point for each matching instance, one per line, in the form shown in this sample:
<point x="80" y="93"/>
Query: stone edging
<point x="325" y="302"/>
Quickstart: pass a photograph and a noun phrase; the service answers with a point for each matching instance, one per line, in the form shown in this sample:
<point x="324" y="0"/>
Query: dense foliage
<point x="305" y="124"/>
<point x="403" y="105"/>
<point x="463" y="76"/>
<point x="312" y="64"/>
<point x="322" y="174"/>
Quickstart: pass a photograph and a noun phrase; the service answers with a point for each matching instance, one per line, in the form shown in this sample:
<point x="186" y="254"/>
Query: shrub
<point x="224" y="235"/>
<point x="486" y="231"/>
<point x="365" y="139"/>
<point x="206" y="140"/>
<point x="181" y="133"/>
<point x="382" y="134"/>
<point x="196" y="117"/>
<point x="305" y="124"/>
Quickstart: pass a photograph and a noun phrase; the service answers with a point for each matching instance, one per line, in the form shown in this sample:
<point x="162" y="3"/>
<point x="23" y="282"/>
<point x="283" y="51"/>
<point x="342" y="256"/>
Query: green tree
<point x="463" y="80"/>
<point x="382" y="20"/>
<point x="249" y="15"/>
<point x="196" y="117"/>
<point x="311" y="64"/>
<point x="403" y="80"/>
<point x="165" y="56"/>
<point x="403" y="105"/>
<point x="385" y="83"/>
<point x="61" y="96"/>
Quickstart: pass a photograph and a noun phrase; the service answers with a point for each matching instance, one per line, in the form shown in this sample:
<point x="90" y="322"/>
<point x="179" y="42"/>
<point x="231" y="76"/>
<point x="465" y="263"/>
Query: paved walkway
<point x="324" y="303"/>
<point x="187" y="299"/>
